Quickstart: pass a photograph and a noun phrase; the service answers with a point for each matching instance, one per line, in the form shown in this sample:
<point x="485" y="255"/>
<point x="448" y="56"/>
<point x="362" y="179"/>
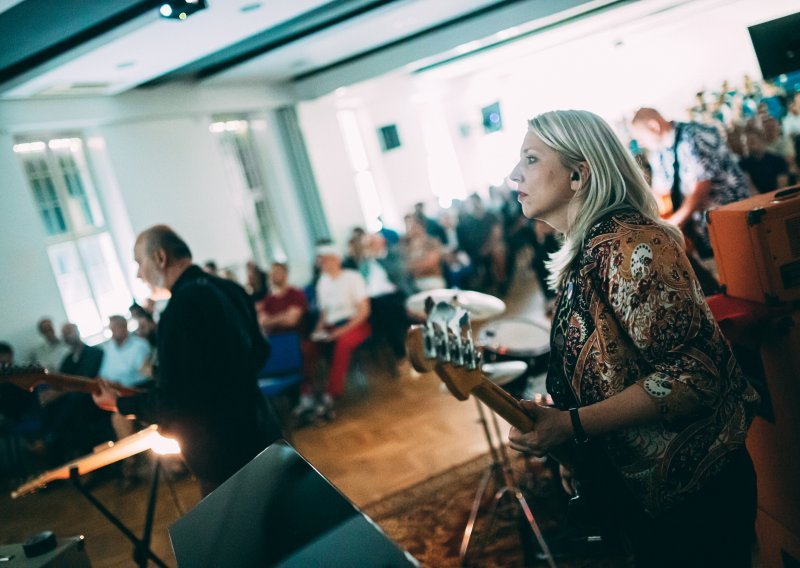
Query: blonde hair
<point x="614" y="183"/>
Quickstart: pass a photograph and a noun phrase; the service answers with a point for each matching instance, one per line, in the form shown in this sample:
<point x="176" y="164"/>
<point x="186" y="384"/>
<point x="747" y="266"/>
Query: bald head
<point x="164" y="238"/>
<point x="651" y="129"/>
<point x="162" y="256"/>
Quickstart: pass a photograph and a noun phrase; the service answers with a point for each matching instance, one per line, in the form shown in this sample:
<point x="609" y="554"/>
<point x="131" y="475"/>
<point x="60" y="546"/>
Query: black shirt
<point x="764" y="171"/>
<point x="210" y="349"/>
<point x="87" y="364"/>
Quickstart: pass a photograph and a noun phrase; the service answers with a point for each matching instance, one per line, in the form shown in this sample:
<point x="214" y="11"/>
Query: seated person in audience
<point x="50" y="351"/>
<point x="423" y="256"/>
<point x="126" y="360"/>
<point x="211" y="268"/>
<point x="256" y="282"/>
<point x="73" y="423"/>
<point x="388" y="286"/>
<point x="766" y="171"/>
<point x="284" y="307"/>
<point x="343" y="326"/>
<point x="14" y="402"/>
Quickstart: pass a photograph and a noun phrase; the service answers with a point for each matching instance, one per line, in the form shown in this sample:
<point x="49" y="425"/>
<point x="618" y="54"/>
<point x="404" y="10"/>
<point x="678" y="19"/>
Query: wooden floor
<point x="397" y="433"/>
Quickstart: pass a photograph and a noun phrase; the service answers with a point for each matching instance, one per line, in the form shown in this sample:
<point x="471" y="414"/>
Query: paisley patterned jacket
<point x="632" y="312"/>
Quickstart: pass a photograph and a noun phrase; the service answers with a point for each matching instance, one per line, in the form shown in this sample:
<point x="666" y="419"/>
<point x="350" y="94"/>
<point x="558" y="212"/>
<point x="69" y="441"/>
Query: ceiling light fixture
<point x="250" y="7"/>
<point x="181" y="9"/>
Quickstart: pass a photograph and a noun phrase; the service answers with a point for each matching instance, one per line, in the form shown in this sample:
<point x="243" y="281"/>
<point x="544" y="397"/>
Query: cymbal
<point x="504" y="372"/>
<point x="481" y="307"/>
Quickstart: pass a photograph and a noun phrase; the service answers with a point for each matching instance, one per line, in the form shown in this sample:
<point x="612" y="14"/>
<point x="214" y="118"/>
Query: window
<point x="81" y="252"/>
<point x="250" y="194"/>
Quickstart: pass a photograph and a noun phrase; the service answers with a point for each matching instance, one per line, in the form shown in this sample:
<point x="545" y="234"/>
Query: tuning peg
<point x="463" y="323"/>
<point x="428" y="305"/>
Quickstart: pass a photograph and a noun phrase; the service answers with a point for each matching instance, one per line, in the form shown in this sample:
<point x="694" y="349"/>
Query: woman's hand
<point x="552" y="427"/>
<point x="107" y="398"/>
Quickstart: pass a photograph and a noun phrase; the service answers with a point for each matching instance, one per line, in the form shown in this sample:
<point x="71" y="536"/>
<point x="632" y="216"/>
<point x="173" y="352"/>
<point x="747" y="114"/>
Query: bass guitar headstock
<point x="444" y="344"/>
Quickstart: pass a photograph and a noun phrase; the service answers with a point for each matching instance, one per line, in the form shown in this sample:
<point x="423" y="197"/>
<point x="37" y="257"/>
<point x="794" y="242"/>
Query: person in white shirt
<point x="343" y="326"/>
<point x="51" y="351"/>
<point x="126" y="360"/>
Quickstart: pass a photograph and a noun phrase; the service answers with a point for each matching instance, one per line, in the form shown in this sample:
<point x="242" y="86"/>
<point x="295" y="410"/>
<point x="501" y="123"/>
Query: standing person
<point x="209" y="349"/>
<point x="691" y="166"/>
<point x="638" y="367"/>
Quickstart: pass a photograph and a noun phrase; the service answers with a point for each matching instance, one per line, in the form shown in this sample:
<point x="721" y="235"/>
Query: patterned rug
<point x="428" y="520"/>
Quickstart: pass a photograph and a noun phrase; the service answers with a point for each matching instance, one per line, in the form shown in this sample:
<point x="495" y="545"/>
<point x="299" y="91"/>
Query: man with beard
<point x="209" y="351"/>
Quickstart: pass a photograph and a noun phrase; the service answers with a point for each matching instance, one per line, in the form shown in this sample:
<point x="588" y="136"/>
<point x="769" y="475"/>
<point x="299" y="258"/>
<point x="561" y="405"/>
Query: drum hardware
<point x="480" y="307"/>
<point x="107" y="454"/>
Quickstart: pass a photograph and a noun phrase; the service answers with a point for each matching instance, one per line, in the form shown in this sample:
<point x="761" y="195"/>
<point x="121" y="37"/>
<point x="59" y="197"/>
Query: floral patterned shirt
<point x="703" y="155"/>
<point x="632" y="312"/>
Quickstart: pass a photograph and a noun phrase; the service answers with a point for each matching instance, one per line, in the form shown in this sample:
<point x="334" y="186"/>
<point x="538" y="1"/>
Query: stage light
<point x="164" y="446"/>
<point x="181" y="9"/>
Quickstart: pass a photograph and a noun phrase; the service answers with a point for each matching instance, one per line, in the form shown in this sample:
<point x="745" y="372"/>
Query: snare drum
<point x="516" y="339"/>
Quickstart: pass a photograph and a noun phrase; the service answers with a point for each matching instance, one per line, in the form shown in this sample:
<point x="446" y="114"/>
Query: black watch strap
<point x="577" y="427"/>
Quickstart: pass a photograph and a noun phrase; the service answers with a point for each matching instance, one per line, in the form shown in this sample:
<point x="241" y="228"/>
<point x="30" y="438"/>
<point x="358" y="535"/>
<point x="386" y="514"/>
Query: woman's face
<point x="543" y="183"/>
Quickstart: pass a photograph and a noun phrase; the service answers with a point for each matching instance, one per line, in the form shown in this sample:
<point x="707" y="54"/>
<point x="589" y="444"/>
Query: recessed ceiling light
<point x="166" y="10"/>
<point x="250" y="7"/>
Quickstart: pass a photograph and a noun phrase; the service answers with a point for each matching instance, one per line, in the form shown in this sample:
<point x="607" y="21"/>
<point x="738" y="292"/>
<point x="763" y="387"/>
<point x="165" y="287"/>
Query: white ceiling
<point x="150" y="47"/>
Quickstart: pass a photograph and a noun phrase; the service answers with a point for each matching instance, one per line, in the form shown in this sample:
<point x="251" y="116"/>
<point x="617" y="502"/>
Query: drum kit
<point x="512" y="351"/>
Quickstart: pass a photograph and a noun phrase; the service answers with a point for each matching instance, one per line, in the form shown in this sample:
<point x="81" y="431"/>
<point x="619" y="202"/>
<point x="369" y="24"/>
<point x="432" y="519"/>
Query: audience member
<point x="391" y="236"/>
<point x="14" y="402"/>
<point x="256" y="282"/>
<point x="423" y="255"/>
<point x="211" y="268"/>
<point x="343" y="326"/>
<point x="124" y="355"/>
<point x="126" y="360"/>
<point x="457" y="265"/>
<point x="693" y="166"/>
<point x="480" y="235"/>
<point x="50" y="351"/>
<point x="431" y="227"/>
<point x="388" y="286"/>
<point x="283" y="309"/>
<point x="72" y="422"/>
<point x="766" y="171"/>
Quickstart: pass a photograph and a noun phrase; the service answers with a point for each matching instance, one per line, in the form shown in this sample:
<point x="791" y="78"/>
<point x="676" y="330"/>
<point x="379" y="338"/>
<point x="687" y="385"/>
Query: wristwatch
<point x="577" y="428"/>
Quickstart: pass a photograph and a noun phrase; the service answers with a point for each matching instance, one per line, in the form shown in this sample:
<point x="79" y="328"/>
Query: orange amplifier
<point x="756" y="245"/>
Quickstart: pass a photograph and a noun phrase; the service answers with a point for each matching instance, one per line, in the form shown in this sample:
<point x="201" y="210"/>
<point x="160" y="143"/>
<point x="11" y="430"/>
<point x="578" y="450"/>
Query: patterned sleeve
<point x="655" y="297"/>
<point x="700" y="158"/>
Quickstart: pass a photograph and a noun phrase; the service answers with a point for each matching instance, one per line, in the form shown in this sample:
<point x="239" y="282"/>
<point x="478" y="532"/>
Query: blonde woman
<point x="638" y="365"/>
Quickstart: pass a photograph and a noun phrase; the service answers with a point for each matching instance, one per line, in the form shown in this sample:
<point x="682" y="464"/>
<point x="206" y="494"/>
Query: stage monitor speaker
<point x="756" y="244"/>
<point x="777" y="45"/>
<point x="280" y="511"/>
<point x="68" y="553"/>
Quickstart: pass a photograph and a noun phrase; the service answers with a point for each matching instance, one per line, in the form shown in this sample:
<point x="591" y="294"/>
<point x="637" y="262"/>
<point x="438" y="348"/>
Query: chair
<point x="284" y="368"/>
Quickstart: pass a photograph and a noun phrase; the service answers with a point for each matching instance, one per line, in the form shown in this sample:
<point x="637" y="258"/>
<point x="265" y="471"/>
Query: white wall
<point x="28" y="288"/>
<point x="171" y="171"/>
